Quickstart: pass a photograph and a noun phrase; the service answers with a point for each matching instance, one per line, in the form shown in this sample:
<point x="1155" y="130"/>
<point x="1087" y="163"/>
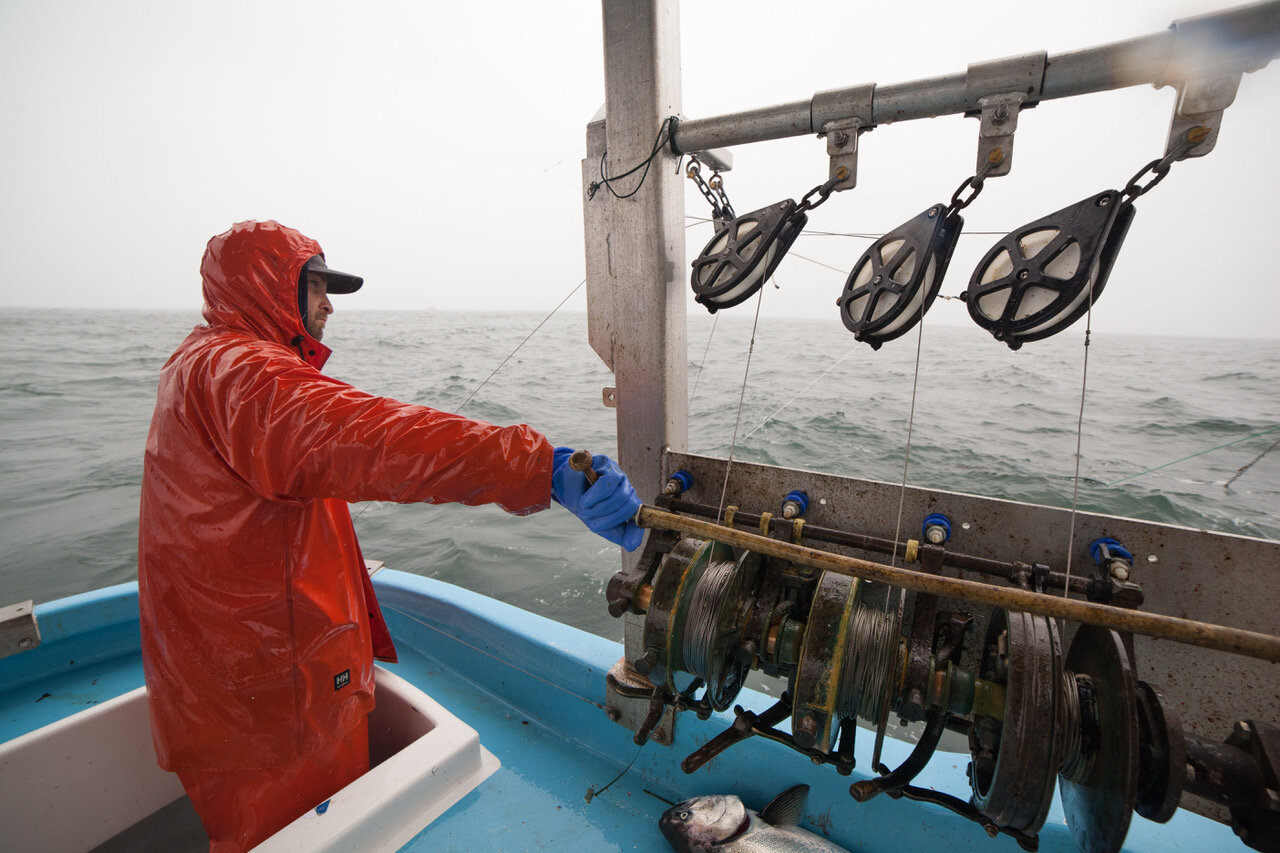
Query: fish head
<point x="700" y="824"/>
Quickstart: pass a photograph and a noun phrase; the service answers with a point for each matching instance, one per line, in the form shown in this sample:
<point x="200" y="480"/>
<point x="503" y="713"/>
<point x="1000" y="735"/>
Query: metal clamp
<point x="995" y="137"/>
<point x="1206" y="72"/>
<point x="1000" y="89"/>
<point x="841" y="116"/>
<point x="1197" y="114"/>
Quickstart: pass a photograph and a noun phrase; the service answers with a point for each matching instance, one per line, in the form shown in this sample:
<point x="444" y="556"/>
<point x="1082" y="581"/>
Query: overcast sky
<point x="434" y="148"/>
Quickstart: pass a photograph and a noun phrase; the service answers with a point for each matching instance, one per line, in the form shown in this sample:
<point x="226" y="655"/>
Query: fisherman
<point x="259" y="623"/>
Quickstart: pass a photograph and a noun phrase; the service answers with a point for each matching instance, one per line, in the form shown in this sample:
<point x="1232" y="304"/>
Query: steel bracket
<point x="995" y="138"/>
<point x="716" y="159"/>
<point x="841" y="116"/>
<point x="632" y="713"/>
<point x="19" y="631"/>
<point x="1197" y="114"/>
<point x="1000" y="89"/>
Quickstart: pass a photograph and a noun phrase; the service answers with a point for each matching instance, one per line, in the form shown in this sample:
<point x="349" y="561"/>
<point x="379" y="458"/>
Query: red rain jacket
<point x="259" y="624"/>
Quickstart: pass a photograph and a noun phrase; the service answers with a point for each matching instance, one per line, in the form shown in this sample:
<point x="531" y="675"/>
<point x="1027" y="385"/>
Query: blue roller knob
<point x="799" y="499"/>
<point x="679" y="482"/>
<point x="1104" y="549"/>
<point x="939" y="521"/>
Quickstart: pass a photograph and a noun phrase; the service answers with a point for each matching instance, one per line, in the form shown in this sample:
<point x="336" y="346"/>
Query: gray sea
<point x="78" y="389"/>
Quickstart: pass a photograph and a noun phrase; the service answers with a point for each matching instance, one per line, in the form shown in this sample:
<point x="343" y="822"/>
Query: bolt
<point x="671" y="488"/>
<point x="645" y="663"/>
<point x="995" y="156"/>
<point x="842" y="173"/>
<point x="1197" y="134"/>
<point x="1119" y="570"/>
<point x="935" y="534"/>
<point x="806" y="732"/>
<point x="1001" y="114"/>
<point x="613" y="714"/>
<point x="26" y="643"/>
<point x="879" y="279"/>
<point x="841" y="138"/>
<point x="790" y="509"/>
<point x="1104" y="201"/>
<point x="1023" y="274"/>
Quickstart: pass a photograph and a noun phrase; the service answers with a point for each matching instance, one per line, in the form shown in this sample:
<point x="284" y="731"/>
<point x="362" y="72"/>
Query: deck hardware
<point x="609" y="396"/>
<point x="936" y="528"/>
<point x="795" y="504"/>
<point x="1001" y="88"/>
<point x="1041" y="278"/>
<point x="841" y="116"/>
<point x="678" y="483"/>
<point x="712" y="190"/>
<point x="897" y="278"/>
<point x="1111" y="557"/>
<point x="19" y="629"/>
<point x="1206" y="73"/>
<point x="745" y="251"/>
<point x="1099" y="795"/>
<point x="1160" y="736"/>
<point x="723" y="601"/>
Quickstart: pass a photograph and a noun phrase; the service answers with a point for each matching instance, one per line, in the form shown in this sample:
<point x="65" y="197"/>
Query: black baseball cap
<point x="336" y="282"/>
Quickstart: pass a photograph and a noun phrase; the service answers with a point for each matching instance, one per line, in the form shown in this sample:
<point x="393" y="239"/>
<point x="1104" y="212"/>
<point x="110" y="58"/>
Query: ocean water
<point x="78" y="389"/>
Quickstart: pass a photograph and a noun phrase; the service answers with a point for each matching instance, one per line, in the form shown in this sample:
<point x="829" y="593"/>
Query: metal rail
<point x="1237" y="641"/>
<point x="1232" y="41"/>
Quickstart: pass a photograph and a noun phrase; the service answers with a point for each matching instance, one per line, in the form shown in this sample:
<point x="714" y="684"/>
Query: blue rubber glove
<point x="607" y="507"/>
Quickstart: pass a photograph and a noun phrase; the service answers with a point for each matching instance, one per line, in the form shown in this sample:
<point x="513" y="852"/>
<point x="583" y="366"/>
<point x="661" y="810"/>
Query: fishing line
<point x="1249" y="465"/>
<point x="1200" y="453"/>
<point x="724" y="490"/>
<point x="1179" y="245"/>
<point x="800" y="393"/>
<point x="1075" y="486"/>
<point x="592" y="793"/>
<point x="906" y="458"/>
<point x="522" y="343"/>
<point x="882" y="718"/>
<point x="819" y="263"/>
<point x="368" y="504"/>
<point x="702" y="364"/>
<point x="811" y="232"/>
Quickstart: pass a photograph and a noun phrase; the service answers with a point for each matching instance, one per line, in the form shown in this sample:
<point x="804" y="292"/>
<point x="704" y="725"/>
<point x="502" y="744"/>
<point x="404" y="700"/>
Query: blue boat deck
<point x="534" y="690"/>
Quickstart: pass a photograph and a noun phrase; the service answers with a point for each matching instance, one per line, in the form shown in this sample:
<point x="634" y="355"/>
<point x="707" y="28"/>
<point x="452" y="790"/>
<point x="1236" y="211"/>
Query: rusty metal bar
<point x="1248" y="643"/>
<point x="954" y="559"/>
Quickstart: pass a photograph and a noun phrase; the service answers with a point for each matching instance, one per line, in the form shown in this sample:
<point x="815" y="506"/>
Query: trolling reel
<point x="1036" y="720"/>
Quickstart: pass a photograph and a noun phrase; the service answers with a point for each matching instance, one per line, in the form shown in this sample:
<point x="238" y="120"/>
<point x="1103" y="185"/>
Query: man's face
<point x="318" y="305"/>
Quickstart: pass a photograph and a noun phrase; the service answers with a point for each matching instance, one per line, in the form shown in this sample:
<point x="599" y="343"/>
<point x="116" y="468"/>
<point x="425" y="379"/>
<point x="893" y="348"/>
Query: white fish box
<point x="85" y="780"/>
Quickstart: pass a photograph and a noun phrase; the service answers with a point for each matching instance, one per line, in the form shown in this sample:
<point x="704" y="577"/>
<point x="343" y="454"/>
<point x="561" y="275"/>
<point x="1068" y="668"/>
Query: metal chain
<point x="957" y="203"/>
<point x="713" y="192"/>
<point x="717" y="185"/>
<point x="974" y="182"/>
<point x="823" y="191"/>
<point x="1158" y="168"/>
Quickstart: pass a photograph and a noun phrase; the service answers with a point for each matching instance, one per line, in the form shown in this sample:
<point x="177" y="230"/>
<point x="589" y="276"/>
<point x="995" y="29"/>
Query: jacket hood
<point x="250" y="278"/>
